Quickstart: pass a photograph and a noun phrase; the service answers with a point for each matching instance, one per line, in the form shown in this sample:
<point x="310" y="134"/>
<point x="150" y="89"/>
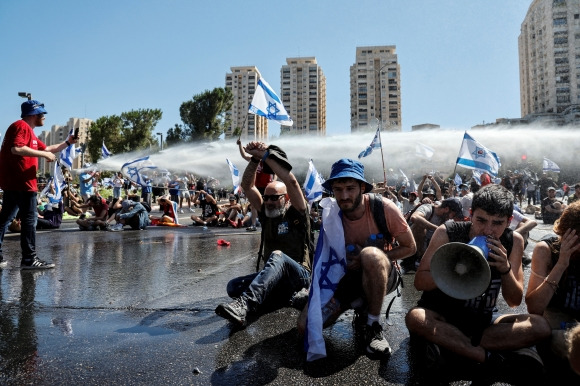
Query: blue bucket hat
<point x="347" y="168"/>
<point x="32" y="107"/>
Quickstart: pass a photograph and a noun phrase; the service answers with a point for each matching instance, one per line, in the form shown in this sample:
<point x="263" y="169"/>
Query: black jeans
<point x="26" y="203"/>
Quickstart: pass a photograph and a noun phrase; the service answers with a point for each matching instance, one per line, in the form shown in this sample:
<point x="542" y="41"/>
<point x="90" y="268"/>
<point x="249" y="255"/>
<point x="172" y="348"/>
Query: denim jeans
<point x="26" y="203"/>
<point x="274" y="285"/>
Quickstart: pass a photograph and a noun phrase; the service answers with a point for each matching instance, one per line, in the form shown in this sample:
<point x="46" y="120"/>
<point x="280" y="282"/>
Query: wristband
<point x="67" y="142"/>
<point x="508" y="270"/>
<point x="254" y="160"/>
<point x="266" y="154"/>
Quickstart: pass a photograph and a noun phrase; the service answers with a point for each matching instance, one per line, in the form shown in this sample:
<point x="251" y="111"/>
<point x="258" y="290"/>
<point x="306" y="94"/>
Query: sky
<point x="88" y="59"/>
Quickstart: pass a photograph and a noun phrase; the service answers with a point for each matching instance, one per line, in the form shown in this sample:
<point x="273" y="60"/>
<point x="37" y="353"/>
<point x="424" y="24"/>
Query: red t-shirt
<point x="262" y="179"/>
<point x="18" y="173"/>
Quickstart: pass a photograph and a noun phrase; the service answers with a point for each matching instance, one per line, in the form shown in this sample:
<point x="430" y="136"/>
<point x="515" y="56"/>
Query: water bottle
<point x="351" y="251"/>
<point x="372" y="240"/>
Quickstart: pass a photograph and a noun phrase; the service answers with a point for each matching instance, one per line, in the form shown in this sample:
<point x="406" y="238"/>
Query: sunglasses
<point x="272" y="197"/>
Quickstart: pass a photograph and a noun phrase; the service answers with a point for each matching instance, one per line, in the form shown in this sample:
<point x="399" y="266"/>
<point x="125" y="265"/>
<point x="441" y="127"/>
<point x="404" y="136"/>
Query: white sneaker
<point x="180" y="210"/>
<point x="116" y="227"/>
<point x="192" y="210"/>
<point x="3" y="264"/>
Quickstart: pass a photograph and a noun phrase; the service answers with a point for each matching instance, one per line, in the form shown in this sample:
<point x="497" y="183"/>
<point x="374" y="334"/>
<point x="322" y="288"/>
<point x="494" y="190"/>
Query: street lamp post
<point x="161" y="140"/>
<point x="25" y="95"/>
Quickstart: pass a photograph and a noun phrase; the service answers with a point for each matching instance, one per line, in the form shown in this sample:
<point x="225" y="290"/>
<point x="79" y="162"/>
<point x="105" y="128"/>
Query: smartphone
<point x="76" y="134"/>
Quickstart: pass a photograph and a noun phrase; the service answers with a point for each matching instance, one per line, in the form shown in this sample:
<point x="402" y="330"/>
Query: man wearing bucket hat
<point x="18" y="167"/>
<point x="452" y="323"/>
<point x="370" y="274"/>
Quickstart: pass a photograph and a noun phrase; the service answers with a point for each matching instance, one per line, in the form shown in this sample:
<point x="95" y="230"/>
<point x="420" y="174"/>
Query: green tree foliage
<point x="176" y="135"/>
<point x="132" y="130"/>
<point x="205" y="115"/>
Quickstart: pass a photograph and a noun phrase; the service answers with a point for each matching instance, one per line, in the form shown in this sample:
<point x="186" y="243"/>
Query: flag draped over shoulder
<point x="135" y="170"/>
<point x="267" y="104"/>
<point x="235" y="176"/>
<point x="329" y="267"/>
<point x="313" y="183"/>
<point x="104" y="151"/>
<point x="375" y="144"/>
<point x="424" y="151"/>
<point x="550" y="166"/>
<point x="473" y="155"/>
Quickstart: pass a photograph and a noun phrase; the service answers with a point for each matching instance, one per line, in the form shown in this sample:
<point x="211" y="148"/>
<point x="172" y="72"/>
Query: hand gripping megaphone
<point x="461" y="270"/>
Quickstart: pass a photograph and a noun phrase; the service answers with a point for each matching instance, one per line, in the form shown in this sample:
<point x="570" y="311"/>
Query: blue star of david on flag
<point x="325" y="282"/>
<point x="474" y="155"/>
<point x="267" y="104"/>
<point x="135" y="170"/>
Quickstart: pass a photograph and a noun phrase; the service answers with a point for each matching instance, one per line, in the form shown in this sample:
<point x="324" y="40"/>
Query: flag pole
<point x="383" y="157"/>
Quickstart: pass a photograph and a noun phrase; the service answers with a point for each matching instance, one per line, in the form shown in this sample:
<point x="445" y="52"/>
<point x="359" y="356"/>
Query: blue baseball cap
<point x="347" y="168"/>
<point x="32" y="107"/>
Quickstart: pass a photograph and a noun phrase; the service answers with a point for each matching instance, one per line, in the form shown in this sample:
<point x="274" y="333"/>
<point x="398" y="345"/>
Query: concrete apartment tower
<point x="58" y="134"/>
<point x="375" y="89"/>
<point x="549" y="55"/>
<point x="243" y="82"/>
<point x="304" y="96"/>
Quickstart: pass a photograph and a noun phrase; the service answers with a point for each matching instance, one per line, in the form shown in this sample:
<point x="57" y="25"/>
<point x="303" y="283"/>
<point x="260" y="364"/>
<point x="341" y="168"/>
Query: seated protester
<point x="551" y="207"/>
<point x="429" y="196"/>
<point x="100" y="208"/>
<point x="169" y="209"/>
<point x="231" y="213"/>
<point x="408" y="203"/>
<point x="209" y="209"/>
<point x="471" y="329"/>
<point x="370" y="273"/>
<point x="523" y="226"/>
<point x="425" y="221"/>
<point x="133" y="214"/>
<point x="554" y="285"/>
<point x="286" y="236"/>
<point x="71" y="201"/>
<point x="51" y="216"/>
<point x="114" y="208"/>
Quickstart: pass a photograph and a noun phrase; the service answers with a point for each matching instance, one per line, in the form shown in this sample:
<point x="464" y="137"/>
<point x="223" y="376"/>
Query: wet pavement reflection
<point x="137" y="307"/>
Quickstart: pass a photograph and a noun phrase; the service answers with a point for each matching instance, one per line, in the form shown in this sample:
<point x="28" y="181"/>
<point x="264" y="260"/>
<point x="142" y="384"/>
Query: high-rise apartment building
<point x="375" y="89"/>
<point x="58" y="134"/>
<point x="243" y="82"/>
<point x="549" y="55"/>
<point x="304" y="96"/>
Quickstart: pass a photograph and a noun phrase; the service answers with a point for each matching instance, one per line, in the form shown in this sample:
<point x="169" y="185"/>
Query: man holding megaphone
<point x="459" y="317"/>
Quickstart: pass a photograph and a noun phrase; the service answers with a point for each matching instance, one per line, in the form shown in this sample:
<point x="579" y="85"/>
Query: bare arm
<point x="244" y="155"/>
<point x="423" y="279"/>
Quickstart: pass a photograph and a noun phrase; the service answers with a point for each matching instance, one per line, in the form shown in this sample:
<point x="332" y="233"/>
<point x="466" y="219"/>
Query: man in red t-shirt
<point x="18" y="166"/>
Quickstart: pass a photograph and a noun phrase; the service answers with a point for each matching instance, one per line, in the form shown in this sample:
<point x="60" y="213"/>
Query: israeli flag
<point x="267" y="104"/>
<point x="69" y="154"/>
<point x="134" y="170"/>
<point x="313" y="184"/>
<point x="104" y="151"/>
<point x="424" y="151"/>
<point x="329" y="268"/>
<point x="235" y="176"/>
<point x="375" y="144"/>
<point x="458" y="181"/>
<point x="550" y="166"/>
<point x="473" y="155"/>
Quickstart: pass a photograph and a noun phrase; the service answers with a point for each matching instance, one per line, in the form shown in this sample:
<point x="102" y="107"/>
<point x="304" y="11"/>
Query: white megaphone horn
<point x="461" y="270"/>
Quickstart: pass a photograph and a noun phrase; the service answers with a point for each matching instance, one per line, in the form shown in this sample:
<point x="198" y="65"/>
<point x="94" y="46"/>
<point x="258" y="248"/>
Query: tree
<point x="176" y="135"/>
<point x="138" y="126"/>
<point x="205" y="115"/>
<point x="132" y="130"/>
<point x="106" y="129"/>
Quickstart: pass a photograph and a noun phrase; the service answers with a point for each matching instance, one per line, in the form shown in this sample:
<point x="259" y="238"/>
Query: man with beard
<point x="370" y="273"/>
<point x="283" y="213"/>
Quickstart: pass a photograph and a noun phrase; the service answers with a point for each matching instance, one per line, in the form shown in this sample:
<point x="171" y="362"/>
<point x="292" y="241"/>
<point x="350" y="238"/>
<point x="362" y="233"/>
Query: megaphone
<point x="461" y="270"/>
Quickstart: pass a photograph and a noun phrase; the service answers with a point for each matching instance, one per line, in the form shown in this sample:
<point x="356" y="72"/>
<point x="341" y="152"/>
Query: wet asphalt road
<point x="137" y="307"/>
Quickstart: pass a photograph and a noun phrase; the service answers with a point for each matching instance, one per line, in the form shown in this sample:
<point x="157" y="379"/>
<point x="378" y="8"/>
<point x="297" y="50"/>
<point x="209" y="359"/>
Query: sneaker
<point x="433" y="357"/>
<point x="3" y="264"/>
<point x="251" y="229"/>
<point x="192" y="210"/>
<point x="37" y="264"/>
<point x="235" y="311"/>
<point x="376" y="341"/>
<point x="180" y="210"/>
<point x="525" y="362"/>
<point x="116" y="228"/>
